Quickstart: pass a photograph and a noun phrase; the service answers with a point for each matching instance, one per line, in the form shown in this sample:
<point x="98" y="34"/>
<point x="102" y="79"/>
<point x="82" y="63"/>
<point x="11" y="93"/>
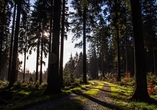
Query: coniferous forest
<point x="118" y="39"/>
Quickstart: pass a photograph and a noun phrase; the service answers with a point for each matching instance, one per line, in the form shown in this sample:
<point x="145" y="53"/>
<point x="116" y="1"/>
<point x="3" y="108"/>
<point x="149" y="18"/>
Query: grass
<point x="30" y="100"/>
<point x="95" y="90"/>
<point x="24" y="96"/>
<point x="121" y="94"/>
<point x="91" y="92"/>
<point x="77" y="102"/>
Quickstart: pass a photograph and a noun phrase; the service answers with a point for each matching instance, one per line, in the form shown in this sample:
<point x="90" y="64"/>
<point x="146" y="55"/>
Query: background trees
<point x="5" y="13"/>
<point x="149" y="20"/>
<point x="104" y="29"/>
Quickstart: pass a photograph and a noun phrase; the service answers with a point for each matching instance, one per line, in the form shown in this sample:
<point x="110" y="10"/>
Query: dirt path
<point x="51" y="103"/>
<point x="101" y="101"/>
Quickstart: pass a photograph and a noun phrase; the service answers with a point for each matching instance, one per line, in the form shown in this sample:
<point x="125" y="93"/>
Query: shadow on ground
<point x="105" y="104"/>
<point x="72" y="104"/>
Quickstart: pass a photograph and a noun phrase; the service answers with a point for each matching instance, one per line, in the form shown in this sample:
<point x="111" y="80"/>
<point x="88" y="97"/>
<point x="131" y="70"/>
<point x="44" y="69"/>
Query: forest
<point x="118" y="39"/>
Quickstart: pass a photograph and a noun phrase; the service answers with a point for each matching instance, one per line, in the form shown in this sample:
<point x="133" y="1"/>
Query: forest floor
<point x="82" y="100"/>
<point x="99" y="95"/>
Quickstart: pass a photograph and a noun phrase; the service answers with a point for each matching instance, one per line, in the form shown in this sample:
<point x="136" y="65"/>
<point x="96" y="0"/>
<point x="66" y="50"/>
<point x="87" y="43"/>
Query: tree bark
<point x="11" y="43"/>
<point x="53" y="67"/>
<point x="62" y="44"/>
<point x="140" y="91"/>
<point x="14" y="72"/>
<point x="37" y="59"/>
<point x="154" y="61"/>
<point x="84" y="46"/>
<point x="117" y="36"/>
<point x="118" y="55"/>
<point x="24" y="67"/>
<point x="41" y="59"/>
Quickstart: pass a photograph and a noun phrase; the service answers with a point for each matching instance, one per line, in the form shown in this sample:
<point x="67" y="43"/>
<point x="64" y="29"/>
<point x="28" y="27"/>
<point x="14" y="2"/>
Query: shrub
<point x="17" y="85"/>
<point x="3" y="84"/>
<point x="152" y="81"/>
<point x="66" y="79"/>
<point x="151" y="87"/>
<point x="127" y="76"/>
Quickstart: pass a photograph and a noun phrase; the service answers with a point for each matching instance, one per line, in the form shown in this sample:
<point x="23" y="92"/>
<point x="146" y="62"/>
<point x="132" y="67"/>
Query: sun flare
<point x="46" y="34"/>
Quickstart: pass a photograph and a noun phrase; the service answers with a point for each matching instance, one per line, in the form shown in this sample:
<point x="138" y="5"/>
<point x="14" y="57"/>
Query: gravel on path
<point x="102" y="101"/>
<point x="53" y="102"/>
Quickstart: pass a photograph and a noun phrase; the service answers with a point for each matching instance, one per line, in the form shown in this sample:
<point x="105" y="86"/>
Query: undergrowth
<point x="122" y="91"/>
<point x="24" y="94"/>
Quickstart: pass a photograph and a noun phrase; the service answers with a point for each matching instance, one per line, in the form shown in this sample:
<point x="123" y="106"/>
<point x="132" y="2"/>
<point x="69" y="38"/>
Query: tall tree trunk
<point x="11" y="43"/>
<point x="50" y="36"/>
<point x="3" y="13"/>
<point x="126" y="57"/>
<point x="84" y="46"/>
<point x="154" y="59"/>
<point x="53" y="67"/>
<point x="14" y="72"/>
<point x="37" y="60"/>
<point x="62" y="44"/>
<point x="96" y="60"/>
<point x="118" y="55"/>
<point x="117" y="36"/>
<point x="140" y="91"/>
<point x="41" y="59"/>
<point x="102" y="62"/>
<point x="24" y="67"/>
<point x="126" y="43"/>
<point x="134" y="60"/>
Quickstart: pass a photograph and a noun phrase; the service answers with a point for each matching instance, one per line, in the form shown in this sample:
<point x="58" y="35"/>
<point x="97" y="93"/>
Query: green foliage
<point x="74" y="67"/>
<point x="3" y="84"/>
<point x="152" y="82"/>
<point x="29" y="85"/>
<point x="66" y="79"/>
<point x="122" y="91"/>
<point x="151" y="76"/>
<point x="78" y="101"/>
<point x="17" y="85"/>
<point x="70" y="81"/>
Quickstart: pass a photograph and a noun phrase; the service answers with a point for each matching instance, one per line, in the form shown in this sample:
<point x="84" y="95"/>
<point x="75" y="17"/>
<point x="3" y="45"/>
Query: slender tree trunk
<point x="134" y="60"/>
<point x="41" y="59"/>
<point x="62" y="44"/>
<point x="13" y="75"/>
<point x="11" y="44"/>
<point x="126" y="50"/>
<point x="118" y="47"/>
<point x="24" y="67"/>
<point x="50" y="36"/>
<point x="107" y="59"/>
<point x="126" y="43"/>
<point x="53" y="67"/>
<point x="84" y="46"/>
<point x="96" y="60"/>
<point x="102" y="63"/>
<point x="118" y="54"/>
<point x="154" y="59"/>
<point x="140" y="91"/>
<point x="102" y="60"/>
<point x="126" y="56"/>
<point x="37" y="60"/>
<point x="3" y="12"/>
